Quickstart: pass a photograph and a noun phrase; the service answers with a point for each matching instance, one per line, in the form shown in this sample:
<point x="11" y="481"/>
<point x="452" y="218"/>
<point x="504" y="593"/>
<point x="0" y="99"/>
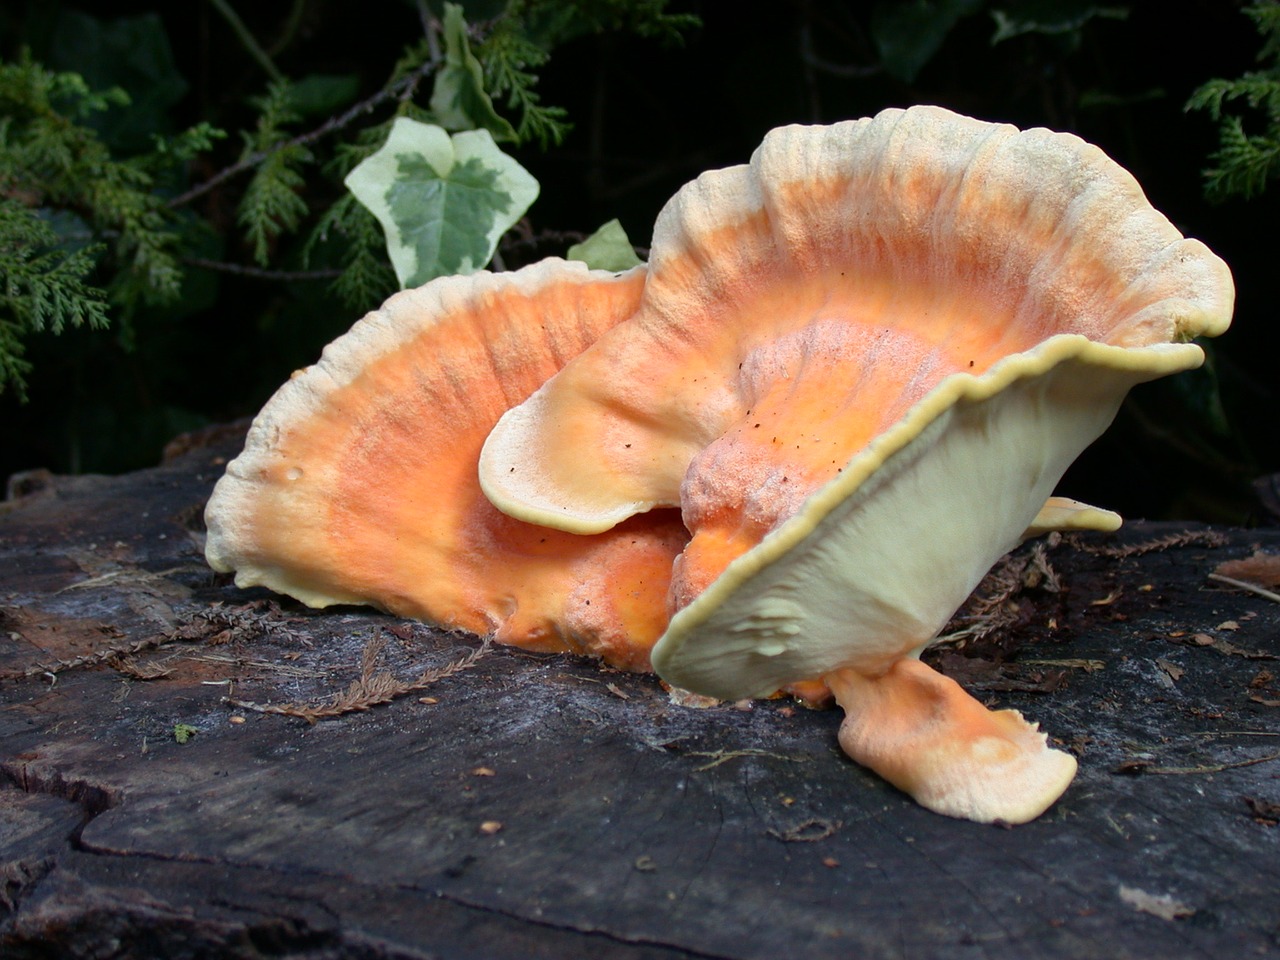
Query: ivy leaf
<point x="458" y="99"/>
<point x="606" y="249"/>
<point x="443" y="201"/>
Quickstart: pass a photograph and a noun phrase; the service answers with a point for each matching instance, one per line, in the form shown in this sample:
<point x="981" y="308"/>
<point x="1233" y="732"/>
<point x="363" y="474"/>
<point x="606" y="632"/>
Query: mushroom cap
<point x="358" y="482"/>
<point x="798" y="306"/>
<point x="860" y="364"/>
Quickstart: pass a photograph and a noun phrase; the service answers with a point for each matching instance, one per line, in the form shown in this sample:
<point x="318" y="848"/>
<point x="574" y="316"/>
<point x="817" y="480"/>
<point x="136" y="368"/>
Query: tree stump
<point x="193" y="770"/>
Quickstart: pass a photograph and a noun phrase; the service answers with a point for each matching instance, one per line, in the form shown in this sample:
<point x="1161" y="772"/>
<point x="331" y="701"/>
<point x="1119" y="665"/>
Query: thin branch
<point x="1212" y="768"/>
<point x="290" y="28"/>
<point x="431" y="29"/>
<point x="259" y="273"/>
<point x="847" y="71"/>
<point x="1245" y="585"/>
<point x="407" y="82"/>
<point x="247" y="39"/>
<point x="724" y="756"/>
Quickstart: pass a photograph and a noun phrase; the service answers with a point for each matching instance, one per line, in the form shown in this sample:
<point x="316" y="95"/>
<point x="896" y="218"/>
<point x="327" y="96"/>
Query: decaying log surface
<point x="526" y="807"/>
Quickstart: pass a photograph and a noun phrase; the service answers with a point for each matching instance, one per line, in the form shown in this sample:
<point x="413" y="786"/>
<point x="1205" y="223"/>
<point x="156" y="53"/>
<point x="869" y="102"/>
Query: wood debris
<point x="808" y="831"/>
<point x="1221" y="645"/>
<point x="995" y="606"/>
<point x="372" y="689"/>
<point x="1259" y="568"/>
<point x="1187" y="538"/>
<point x="1171" y="670"/>
<point x="1161" y="905"/>
<point x="1264" y="811"/>
<point x="1147" y="766"/>
<point x="130" y="667"/>
<point x="724" y="756"/>
<point x="1070" y="663"/>
<point x="96" y="658"/>
<point x="1246" y="585"/>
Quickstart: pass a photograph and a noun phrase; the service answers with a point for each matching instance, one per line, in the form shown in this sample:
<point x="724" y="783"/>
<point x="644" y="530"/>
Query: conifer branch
<point x="1245" y="163"/>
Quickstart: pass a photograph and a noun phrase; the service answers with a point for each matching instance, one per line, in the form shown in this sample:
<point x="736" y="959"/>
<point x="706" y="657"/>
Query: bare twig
<point x="266" y="666"/>
<point x="1212" y="768"/>
<point x="258" y="273"/>
<point x="1245" y="585"/>
<point x="724" y="756"/>
<point x="130" y="576"/>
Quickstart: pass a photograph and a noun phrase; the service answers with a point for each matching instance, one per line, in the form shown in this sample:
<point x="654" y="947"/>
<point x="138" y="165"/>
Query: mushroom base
<point x="929" y="738"/>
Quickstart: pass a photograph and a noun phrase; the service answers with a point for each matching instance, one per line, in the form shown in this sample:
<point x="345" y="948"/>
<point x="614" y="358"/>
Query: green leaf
<point x="182" y="732"/>
<point x="458" y="98"/>
<point x="443" y="202"/>
<point x="908" y="33"/>
<point x="606" y="249"/>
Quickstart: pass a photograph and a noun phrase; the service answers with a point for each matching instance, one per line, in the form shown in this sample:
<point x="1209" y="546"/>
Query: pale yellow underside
<point x="877" y="560"/>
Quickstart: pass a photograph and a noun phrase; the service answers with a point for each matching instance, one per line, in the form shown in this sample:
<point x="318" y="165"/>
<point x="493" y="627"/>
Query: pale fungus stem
<point x="924" y="734"/>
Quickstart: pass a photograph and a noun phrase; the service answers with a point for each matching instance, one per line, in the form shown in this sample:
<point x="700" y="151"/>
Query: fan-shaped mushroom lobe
<point x="358" y="480"/>
<point x="798" y="306"/>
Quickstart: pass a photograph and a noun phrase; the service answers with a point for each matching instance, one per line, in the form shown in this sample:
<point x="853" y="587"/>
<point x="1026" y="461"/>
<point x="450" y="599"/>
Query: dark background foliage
<point x="649" y="115"/>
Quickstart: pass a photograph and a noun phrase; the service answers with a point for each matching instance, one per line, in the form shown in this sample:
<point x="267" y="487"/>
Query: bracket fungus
<point x="358" y="482"/>
<point x="859" y="365"/>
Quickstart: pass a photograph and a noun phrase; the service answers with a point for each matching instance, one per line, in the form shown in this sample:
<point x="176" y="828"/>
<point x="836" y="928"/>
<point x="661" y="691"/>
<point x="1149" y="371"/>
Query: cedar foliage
<point x="68" y="207"/>
<point x="1245" y="163"/>
<point x="89" y="234"/>
<point x="41" y="287"/>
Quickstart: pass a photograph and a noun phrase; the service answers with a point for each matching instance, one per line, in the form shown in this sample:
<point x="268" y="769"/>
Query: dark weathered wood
<point x="630" y="827"/>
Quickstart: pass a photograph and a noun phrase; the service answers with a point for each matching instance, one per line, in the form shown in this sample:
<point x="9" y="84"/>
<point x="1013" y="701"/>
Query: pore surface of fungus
<point x="859" y="366"/>
<point x="358" y="479"/>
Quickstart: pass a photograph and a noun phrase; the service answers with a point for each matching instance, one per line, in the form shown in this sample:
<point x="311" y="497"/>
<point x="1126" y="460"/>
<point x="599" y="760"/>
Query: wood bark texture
<point x="527" y="807"/>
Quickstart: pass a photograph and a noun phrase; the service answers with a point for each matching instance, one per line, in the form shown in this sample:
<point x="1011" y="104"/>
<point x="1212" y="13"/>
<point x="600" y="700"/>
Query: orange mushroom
<point x="860" y="365"/>
<point x="358" y="483"/>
